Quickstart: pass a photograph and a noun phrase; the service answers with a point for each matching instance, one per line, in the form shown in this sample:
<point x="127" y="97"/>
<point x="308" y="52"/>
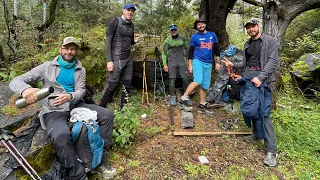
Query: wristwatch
<point x="71" y="96"/>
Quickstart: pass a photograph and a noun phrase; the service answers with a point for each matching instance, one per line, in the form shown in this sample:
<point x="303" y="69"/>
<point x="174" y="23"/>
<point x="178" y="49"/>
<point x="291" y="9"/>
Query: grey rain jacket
<point x="269" y="59"/>
<point x="48" y="73"/>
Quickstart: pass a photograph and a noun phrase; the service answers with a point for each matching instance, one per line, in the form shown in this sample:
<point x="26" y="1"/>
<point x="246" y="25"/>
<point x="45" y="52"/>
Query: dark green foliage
<point x="302" y="36"/>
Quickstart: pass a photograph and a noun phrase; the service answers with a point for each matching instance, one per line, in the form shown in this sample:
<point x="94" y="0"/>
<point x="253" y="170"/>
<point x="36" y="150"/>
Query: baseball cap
<point x="128" y="6"/>
<point x="251" y="21"/>
<point x="69" y="40"/>
<point x="173" y="27"/>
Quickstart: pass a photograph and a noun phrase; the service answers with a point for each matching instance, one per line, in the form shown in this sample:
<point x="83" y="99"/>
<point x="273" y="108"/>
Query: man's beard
<point x="255" y="34"/>
<point x="202" y="29"/>
<point x="65" y="59"/>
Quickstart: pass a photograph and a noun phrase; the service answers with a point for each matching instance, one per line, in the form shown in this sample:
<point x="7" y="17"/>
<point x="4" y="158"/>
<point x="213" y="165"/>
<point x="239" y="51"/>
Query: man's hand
<point x="165" y="68"/>
<point x="61" y="99"/>
<point x="110" y="66"/>
<point x="218" y="67"/>
<point x="256" y="81"/>
<point x="30" y="95"/>
<point x="227" y="62"/>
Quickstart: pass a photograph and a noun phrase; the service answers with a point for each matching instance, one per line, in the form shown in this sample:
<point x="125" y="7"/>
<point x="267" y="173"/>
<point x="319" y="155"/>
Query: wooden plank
<point x="183" y="133"/>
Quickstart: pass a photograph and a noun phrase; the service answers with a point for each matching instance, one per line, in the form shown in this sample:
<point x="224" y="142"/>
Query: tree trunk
<point x="15" y="9"/>
<point x="52" y="18"/>
<point x="216" y="12"/>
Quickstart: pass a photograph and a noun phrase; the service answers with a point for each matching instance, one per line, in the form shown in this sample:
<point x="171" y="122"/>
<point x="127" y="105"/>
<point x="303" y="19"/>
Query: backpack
<point x="87" y="141"/>
<point x="88" y="97"/>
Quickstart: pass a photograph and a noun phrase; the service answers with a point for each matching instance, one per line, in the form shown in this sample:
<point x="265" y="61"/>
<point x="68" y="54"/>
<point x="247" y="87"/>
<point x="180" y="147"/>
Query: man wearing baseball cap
<point x="120" y="37"/>
<point x="67" y="76"/>
<point x="174" y="56"/>
<point x="260" y="62"/>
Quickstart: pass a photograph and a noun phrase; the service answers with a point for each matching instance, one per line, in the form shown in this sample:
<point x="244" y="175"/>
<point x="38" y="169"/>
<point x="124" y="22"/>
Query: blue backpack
<point x="88" y="143"/>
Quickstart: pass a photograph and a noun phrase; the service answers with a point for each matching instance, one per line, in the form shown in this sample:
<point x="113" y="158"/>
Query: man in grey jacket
<point x="67" y="76"/>
<point x="260" y="62"/>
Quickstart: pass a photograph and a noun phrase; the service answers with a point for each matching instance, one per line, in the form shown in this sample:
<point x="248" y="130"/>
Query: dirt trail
<point x="157" y="154"/>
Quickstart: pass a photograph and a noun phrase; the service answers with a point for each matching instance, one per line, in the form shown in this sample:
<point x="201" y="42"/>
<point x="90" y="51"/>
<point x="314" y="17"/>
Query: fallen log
<point x="182" y="133"/>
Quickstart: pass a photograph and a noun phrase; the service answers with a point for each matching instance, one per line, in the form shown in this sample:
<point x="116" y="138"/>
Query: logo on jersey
<point x="206" y="45"/>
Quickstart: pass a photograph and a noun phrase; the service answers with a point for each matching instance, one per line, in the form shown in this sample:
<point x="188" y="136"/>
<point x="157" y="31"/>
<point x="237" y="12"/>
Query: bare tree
<point x="277" y="15"/>
<point x="15" y="9"/>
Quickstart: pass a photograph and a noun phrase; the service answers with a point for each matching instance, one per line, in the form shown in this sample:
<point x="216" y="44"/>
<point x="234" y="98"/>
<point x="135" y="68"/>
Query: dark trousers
<point x="124" y="73"/>
<point x="59" y="133"/>
<point x="172" y="85"/>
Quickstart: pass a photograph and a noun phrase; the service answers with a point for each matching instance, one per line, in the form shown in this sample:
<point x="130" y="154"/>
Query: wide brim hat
<point x="197" y="21"/>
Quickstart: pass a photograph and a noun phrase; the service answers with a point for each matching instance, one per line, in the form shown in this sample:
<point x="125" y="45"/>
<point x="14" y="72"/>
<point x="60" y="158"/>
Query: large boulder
<point x="305" y="74"/>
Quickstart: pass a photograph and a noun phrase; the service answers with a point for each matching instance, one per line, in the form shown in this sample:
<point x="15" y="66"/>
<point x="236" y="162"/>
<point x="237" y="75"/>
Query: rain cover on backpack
<point x="87" y="140"/>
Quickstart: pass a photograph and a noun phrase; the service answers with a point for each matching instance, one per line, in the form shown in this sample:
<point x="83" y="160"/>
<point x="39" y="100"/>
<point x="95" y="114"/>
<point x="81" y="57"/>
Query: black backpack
<point x="90" y="91"/>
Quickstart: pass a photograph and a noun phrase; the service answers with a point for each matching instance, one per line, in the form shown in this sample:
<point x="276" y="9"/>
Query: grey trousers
<point x="269" y="140"/>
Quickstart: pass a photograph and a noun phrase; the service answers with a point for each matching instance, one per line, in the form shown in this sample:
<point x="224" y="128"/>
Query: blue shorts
<point x="202" y="73"/>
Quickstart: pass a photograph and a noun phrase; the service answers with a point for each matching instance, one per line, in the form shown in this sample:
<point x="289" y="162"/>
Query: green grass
<point x="297" y="132"/>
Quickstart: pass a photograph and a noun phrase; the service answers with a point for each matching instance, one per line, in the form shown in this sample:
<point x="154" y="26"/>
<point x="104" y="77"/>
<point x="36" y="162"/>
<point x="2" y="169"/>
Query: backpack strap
<point x="76" y="129"/>
<point x="119" y="25"/>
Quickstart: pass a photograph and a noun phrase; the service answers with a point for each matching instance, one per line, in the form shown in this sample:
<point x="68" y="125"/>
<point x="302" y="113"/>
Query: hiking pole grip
<point x="41" y="94"/>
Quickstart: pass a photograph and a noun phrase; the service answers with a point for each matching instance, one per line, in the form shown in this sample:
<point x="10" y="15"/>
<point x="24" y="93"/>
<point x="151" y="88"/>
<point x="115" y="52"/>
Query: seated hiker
<point x="174" y="51"/>
<point x="67" y="76"/>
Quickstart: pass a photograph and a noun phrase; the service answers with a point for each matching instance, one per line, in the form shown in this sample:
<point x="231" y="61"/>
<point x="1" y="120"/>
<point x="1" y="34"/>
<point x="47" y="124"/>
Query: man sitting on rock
<point x="67" y="76"/>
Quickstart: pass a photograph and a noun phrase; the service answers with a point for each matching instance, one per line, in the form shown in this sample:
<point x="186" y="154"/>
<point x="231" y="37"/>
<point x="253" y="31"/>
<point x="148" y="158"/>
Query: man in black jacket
<point x="260" y="62"/>
<point x="119" y="39"/>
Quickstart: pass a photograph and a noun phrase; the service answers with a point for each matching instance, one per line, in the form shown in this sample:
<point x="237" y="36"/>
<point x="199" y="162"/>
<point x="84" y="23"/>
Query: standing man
<point x="260" y="62"/>
<point x="67" y="76"/>
<point x="119" y="39"/>
<point x="204" y="50"/>
<point x="175" y="49"/>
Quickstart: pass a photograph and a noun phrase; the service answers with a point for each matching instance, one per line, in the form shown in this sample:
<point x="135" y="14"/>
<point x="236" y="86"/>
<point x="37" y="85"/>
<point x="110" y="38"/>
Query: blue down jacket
<point x="255" y="104"/>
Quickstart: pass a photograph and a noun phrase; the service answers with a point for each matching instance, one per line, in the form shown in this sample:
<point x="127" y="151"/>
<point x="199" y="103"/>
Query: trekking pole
<point x="144" y="79"/>
<point x="5" y="140"/>
<point x="157" y="53"/>
<point x="155" y="81"/>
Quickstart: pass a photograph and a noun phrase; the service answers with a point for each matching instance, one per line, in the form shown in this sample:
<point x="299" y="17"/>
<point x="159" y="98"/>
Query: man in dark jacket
<point x="119" y="39"/>
<point x="260" y="62"/>
<point x="67" y="76"/>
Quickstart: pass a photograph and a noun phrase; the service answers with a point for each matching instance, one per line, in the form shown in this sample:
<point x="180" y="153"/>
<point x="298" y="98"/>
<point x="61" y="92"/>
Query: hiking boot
<point x="186" y="102"/>
<point x="107" y="171"/>
<point x="251" y="138"/>
<point x="203" y="108"/>
<point x="270" y="159"/>
<point x="173" y="100"/>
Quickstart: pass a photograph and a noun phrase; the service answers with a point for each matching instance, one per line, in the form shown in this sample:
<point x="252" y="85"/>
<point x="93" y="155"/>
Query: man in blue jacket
<point x="260" y="62"/>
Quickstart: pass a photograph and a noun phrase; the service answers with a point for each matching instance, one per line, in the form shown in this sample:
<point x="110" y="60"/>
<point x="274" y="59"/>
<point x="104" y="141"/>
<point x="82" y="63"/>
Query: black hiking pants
<point x="59" y="132"/>
<point x="125" y="73"/>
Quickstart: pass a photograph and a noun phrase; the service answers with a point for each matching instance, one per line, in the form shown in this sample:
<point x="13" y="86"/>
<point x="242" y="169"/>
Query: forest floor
<point x="156" y="153"/>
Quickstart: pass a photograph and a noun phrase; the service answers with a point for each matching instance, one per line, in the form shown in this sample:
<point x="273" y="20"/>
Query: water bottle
<point x="42" y="93"/>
